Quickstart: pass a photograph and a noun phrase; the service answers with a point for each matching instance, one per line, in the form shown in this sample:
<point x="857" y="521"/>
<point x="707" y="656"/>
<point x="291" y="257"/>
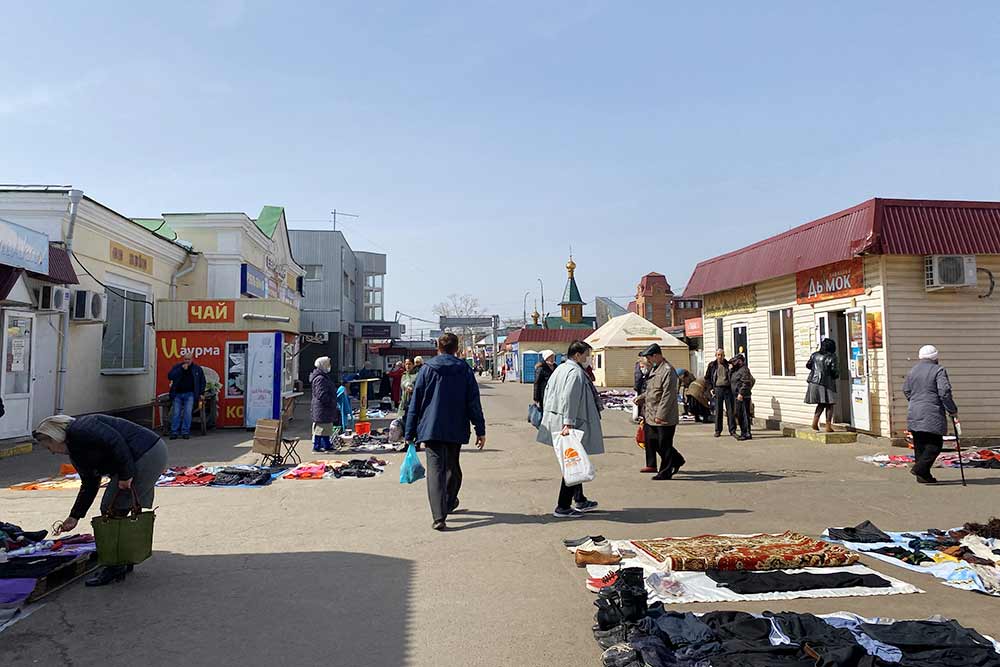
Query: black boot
<point x="107" y="575"/>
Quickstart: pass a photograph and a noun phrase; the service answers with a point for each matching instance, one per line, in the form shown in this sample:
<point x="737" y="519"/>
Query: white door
<point x="15" y="377"/>
<point x="857" y="363"/>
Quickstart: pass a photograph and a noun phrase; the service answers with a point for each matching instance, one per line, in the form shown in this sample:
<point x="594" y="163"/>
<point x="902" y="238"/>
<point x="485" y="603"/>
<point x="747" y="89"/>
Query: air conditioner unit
<point x="941" y="271"/>
<point x="87" y="306"/>
<point x="51" y="298"/>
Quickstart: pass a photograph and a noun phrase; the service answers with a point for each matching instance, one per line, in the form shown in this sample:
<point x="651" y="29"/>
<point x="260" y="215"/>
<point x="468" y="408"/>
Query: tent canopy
<point x="632" y="331"/>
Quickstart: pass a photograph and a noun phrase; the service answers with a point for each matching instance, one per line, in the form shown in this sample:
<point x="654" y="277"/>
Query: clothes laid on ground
<point x="865" y="531"/>
<point x="990" y="529"/>
<point x="185" y="476"/>
<point x="960" y="562"/>
<point x="617" y="400"/>
<point x="740" y="639"/>
<point x="14" y="537"/>
<point x="246" y="475"/>
<point x="976" y="458"/>
<point x="13" y="592"/>
<point x="32" y="568"/>
<point x="781" y="582"/>
<point x="71" y="545"/>
<point x="746" y="552"/>
<point x="337" y="469"/>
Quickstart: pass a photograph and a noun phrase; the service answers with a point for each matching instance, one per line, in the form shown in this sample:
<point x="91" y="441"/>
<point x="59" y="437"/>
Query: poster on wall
<point x="264" y="377"/>
<point x="874" y="325"/>
<point x="730" y="302"/>
<point x="236" y="370"/>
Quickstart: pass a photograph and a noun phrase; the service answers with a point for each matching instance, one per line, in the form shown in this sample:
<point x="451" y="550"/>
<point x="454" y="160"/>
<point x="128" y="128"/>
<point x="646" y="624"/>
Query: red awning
<point x="60" y="268"/>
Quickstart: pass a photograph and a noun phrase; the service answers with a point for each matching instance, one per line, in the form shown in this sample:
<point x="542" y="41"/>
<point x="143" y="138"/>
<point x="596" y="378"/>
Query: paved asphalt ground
<point x="349" y="572"/>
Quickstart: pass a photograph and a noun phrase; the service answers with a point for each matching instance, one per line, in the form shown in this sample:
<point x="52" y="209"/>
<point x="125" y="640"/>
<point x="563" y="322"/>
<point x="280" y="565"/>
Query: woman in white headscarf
<point x="323" y="406"/>
<point x="928" y="390"/>
<point x="133" y="456"/>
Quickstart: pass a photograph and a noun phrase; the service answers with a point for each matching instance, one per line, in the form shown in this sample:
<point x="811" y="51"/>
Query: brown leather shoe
<point x="585" y="558"/>
<point x="829" y="427"/>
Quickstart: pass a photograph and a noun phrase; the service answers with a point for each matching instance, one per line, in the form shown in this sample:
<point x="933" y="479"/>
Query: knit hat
<point x="55" y="427"/>
<point x="928" y="352"/>
<point x="323" y="363"/>
<point x="547" y="353"/>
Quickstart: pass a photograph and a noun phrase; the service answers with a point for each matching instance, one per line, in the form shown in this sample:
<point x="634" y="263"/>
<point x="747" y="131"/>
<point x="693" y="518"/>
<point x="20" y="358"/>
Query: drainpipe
<point x="74" y="204"/>
<point x="180" y="273"/>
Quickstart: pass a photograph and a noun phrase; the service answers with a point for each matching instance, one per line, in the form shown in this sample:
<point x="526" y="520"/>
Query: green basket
<point x="124" y="540"/>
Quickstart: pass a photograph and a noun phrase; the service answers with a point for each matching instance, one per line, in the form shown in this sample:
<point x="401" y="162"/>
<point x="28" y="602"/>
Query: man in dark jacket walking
<point x="720" y="386"/>
<point x="928" y="390"/>
<point x="187" y="384"/>
<point x="445" y="401"/>
<point x="543" y="371"/>
<point x="742" y="383"/>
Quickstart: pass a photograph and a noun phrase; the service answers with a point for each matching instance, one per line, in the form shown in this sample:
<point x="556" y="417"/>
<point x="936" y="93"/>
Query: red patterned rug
<point x="787" y="550"/>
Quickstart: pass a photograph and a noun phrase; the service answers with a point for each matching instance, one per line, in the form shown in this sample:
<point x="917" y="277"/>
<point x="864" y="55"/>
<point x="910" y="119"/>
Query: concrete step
<point x="835" y="438"/>
<point x="14" y="447"/>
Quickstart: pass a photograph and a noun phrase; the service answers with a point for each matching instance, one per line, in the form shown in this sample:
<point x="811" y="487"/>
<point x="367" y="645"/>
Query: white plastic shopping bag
<point x="573" y="460"/>
<point x="635" y="413"/>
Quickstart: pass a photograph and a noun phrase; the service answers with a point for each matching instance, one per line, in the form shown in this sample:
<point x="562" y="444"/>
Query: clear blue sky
<point x="478" y="140"/>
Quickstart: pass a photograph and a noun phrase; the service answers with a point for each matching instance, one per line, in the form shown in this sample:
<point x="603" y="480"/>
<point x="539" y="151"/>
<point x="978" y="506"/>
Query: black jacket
<point x="542" y="375"/>
<point x="742" y="381"/>
<point x="323" y="406"/>
<point x="199" y="379"/>
<point x="823" y="370"/>
<point x="710" y="374"/>
<point x="104" y="445"/>
<point x="444" y="402"/>
<point x="641" y="375"/>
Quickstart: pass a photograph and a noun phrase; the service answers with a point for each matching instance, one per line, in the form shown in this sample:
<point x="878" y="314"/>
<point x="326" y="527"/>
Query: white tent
<point x="618" y="343"/>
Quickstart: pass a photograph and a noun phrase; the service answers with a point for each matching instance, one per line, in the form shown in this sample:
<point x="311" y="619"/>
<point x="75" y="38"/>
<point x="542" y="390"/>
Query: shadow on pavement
<point x="288" y="609"/>
<point x="467" y="519"/>
<point x="725" y="476"/>
<point x="981" y="481"/>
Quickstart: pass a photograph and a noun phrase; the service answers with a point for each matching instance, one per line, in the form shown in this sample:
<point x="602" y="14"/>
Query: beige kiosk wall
<point x="782" y="398"/>
<point x="964" y="328"/>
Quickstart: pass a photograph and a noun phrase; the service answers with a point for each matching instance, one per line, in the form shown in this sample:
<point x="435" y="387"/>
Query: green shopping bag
<point x="124" y="540"/>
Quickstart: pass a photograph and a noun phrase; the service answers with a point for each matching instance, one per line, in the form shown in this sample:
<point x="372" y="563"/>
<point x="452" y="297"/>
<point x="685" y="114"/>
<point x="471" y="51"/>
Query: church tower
<point x="571" y="304"/>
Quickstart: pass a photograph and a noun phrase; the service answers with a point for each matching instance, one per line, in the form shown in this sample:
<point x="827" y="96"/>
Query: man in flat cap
<point x="659" y="403"/>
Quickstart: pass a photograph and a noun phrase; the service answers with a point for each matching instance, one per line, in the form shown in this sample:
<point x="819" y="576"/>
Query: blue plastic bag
<point x="411" y="470"/>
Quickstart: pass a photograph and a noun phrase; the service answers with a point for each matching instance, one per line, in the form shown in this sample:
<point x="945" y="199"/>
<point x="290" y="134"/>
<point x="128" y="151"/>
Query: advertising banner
<point x="831" y="281"/>
<point x="253" y="282"/>
<point x="210" y="352"/>
<point x="23" y="247"/>
<point x="693" y="327"/>
<point x="730" y="302"/>
<point x="264" y="377"/>
<point x="211" y="312"/>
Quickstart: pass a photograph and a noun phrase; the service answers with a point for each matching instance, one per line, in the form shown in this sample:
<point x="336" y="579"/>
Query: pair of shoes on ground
<point x="576" y="512"/>
<point x="185" y="436"/>
<point x="585" y="558"/>
<point x="109" y="574"/>
<point x="743" y="438"/>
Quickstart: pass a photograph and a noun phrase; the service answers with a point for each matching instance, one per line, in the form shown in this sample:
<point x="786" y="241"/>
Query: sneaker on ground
<point x="587" y="506"/>
<point x="597" y="584"/>
<point x="581" y="540"/>
<point x="570" y="513"/>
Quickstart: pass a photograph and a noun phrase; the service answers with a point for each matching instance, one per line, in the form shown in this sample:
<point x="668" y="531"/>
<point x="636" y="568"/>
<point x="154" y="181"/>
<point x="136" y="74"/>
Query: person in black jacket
<point x="187" y="385"/>
<point x="445" y="401"/>
<point x="133" y="456"/>
<point x="543" y="371"/>
<point x="719" y="385"/>
<point x="821" y="390"/>
<point x="742" y="382"/>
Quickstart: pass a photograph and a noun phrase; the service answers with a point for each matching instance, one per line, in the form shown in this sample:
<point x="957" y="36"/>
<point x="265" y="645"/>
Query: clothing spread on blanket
<point x="752" y="552"/>
<point x="617" y="399"/>
<point x="975" y="458"/>
<point x="337" y="469"/>
<point x="958" y="557"/>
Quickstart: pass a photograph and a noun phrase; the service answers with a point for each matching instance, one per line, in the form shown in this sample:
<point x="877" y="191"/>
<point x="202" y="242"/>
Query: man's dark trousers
<point x="661" y="440"/>
<point x="724" y="397"/>
<point x="743" y="416"/>
<point x="444" y="477"/>
<point x="926" y="447"/>
<point x="650" y="446"/>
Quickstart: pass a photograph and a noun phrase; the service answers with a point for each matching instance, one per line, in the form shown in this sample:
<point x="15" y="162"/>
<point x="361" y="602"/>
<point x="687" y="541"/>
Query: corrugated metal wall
<point x="964" y="328"/>
<point x="323" y="298"/>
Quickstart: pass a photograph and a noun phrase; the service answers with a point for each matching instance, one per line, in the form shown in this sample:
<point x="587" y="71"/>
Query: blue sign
<point x="24" y="248"/>
<point x="253" y="282"/>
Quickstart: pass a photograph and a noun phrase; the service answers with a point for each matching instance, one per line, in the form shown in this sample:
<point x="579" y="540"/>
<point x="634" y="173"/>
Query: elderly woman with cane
<point x="133" y="456"/>
<point x="928" y="390"/>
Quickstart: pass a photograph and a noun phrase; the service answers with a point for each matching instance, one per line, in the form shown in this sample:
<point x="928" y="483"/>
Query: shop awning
<point x="60" y="268"/>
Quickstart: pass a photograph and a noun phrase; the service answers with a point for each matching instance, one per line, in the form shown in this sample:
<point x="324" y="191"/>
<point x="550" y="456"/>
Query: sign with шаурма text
<point x="830" y="281"/>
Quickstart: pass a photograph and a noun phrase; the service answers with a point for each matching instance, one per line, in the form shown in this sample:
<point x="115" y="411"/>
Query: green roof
<point x="556" y="322"/>
<point x="158" y="226"/>
<point x="268" y="219"/>
<point x="571" y="295"/>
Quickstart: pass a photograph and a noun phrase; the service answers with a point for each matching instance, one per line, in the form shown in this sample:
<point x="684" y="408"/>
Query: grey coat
<point x="660" y="404"/>
<point x="928" y="390"/>
<point x="569" y="399"/>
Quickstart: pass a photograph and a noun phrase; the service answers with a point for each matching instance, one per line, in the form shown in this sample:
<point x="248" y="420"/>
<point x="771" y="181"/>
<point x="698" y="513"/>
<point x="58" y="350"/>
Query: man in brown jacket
<point x="660" y="407"/>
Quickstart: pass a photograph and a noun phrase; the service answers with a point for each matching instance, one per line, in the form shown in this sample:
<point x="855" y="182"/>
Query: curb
<point x="16" y="450"/>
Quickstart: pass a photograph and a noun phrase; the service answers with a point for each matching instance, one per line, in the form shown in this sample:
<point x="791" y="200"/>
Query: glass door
<point x="857" y="365"/>
<point x="740" y="341"/>
<point x="15" y="378"/>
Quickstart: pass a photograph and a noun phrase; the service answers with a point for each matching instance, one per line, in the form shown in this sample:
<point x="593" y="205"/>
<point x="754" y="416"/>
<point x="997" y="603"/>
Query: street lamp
<point x="542" y="288"/>
<point x="525" y="313"/>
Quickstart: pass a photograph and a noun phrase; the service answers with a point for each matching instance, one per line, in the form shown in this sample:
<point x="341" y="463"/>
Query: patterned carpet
<point x="787" y="550"/>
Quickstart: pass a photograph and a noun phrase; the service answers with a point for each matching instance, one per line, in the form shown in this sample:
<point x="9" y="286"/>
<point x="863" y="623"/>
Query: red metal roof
<point x="648" y="281"/>
<point x="547" y="335"/>
<point x="60" y="268"/>
<point x="877" y="226"/>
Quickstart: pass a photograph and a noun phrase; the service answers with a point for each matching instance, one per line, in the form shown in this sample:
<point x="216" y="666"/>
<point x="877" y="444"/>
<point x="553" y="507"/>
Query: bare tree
<point x="461" y="305"/>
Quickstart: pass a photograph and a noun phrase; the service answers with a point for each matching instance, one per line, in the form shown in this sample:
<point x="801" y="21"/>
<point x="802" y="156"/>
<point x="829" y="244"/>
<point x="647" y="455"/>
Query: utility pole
<point x="525" y="313"/>
<point x="335" y="213"/>
<point x="542" y="288"/>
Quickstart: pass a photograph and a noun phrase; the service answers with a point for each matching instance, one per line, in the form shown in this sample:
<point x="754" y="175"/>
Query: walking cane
<point x="958" y="444"/>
